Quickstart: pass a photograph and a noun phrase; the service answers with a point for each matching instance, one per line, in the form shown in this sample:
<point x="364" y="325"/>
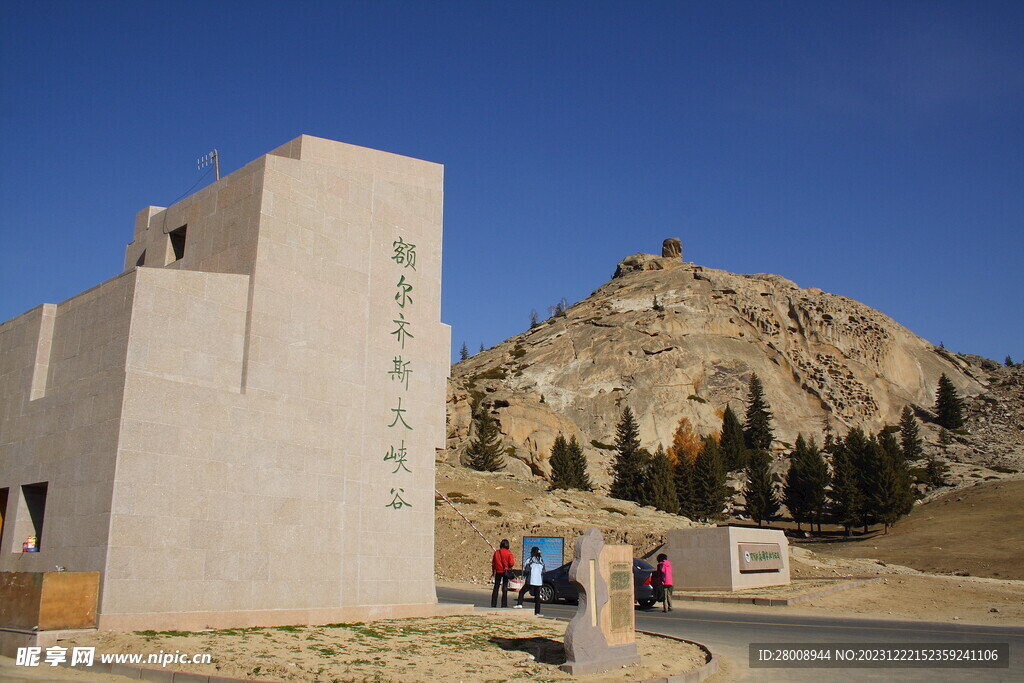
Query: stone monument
<point x="727" y="558"/>
<point x="602" y="635"/>
<point x="240" y="428"/>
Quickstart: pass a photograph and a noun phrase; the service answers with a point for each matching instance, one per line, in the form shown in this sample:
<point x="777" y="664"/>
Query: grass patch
<point x="603" y="446"/>
<point x="518" y="352"/>
<point x="493" y="373"/>
<point x="695" y="397"/>
<point x="1003" y="470"/>
<point x="494" y="513"/>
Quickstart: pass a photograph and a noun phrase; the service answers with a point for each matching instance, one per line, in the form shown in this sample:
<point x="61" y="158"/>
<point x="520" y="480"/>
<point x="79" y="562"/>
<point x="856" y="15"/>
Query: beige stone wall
<point x="61" y="386"/>
<point x="258" y="400"/>
<point x="708" y="558"/>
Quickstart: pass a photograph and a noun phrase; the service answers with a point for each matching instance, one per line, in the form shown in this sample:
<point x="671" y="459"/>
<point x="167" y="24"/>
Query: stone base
<point x="617" y="656"/>
<point x="193" y="621"/>
<point x="11" y="639"/>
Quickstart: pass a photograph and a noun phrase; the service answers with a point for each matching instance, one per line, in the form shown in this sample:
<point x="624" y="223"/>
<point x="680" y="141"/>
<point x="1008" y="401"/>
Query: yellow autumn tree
<point x="686" y="443"/>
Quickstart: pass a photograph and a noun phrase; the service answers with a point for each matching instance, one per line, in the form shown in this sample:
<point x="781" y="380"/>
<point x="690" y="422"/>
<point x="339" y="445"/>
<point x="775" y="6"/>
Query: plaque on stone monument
<point x="760" y="557"/>
<point x="601" y="636"/>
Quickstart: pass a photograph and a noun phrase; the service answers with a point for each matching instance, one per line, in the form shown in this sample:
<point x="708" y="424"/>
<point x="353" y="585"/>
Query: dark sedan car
<point x="558" y="587"/>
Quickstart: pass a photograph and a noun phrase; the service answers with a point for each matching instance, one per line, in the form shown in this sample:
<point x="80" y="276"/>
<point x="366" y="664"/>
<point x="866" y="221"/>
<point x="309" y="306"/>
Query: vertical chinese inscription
<point x="620" y="596"/>
<point x="401" y="419"/>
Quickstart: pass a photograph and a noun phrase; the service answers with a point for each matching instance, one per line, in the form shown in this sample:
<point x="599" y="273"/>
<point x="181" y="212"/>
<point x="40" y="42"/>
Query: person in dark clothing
<point x="501" y="565"/>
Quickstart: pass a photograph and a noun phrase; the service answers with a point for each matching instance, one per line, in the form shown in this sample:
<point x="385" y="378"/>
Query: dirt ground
<point x="977" y="531"/>
<point x="485" y="647"/>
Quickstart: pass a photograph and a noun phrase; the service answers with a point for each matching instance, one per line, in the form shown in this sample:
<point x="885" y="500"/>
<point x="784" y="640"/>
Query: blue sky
<point x="874" y="150"/>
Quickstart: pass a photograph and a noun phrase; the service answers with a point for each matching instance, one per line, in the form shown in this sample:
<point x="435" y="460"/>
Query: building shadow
<point x="544" y="650"/>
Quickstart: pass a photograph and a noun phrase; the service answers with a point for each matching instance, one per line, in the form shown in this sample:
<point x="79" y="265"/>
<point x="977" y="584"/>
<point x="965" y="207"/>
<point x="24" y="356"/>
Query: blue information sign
<point x="551" y="549"/>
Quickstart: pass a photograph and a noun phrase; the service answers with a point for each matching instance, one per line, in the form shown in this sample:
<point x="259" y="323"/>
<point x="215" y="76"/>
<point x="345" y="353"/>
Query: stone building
<point x="241" y="427"/>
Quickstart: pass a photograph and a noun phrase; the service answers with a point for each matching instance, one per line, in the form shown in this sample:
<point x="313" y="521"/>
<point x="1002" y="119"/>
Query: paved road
<point x="729" y="633"/>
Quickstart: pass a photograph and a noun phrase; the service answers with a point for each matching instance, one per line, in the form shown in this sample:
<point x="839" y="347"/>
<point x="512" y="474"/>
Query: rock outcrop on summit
<point x="672" y="339"/>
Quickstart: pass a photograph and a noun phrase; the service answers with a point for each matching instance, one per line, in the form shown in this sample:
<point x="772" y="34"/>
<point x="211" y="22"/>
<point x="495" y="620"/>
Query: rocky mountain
<point x="673" y="339"/>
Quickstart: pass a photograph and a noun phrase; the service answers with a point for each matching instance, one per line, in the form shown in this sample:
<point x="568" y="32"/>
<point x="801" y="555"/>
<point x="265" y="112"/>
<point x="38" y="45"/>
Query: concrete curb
<point x="776" y="602"/>
<point x="159" y="675"/>
<point x="707" y="670"/>
<point x="710" y="668"/>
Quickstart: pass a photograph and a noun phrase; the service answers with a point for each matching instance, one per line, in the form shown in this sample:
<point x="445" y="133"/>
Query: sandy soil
<point x="977" y="531"/>
<point x="485" y="647"/>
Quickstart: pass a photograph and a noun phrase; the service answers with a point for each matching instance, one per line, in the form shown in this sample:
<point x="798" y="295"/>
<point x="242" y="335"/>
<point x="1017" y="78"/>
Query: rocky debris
<point x="673" y="339"/>
<point x="672" y="248"/>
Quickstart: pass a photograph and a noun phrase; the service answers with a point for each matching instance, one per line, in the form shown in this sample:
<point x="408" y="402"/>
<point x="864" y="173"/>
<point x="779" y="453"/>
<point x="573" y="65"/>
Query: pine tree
<point x="948" y="405"/>
<point x="485" y="451"/>
<point x="816" y="480"/>
<point x="533" y="319"/>
<point x="481" y="347"/>
<point x="910" y="436"/>
<point x="757" y="428"/>
<point x="892" y="497"/>
<point x="661" y="486"/>
<point x="1008" y="362"/>
<point x="759" y="492"/>
<point x="569" y="465"/>
<point x="732" y="443"/>
<point x="686" y="488"/>
<point x="628" y="468"/>
<point x="463" y="352"/>
<point x="709" y="482"/>
<point x="795" y="490"/>
<point x="561" y="468"/>
<point x="864" y="455"/>
<point x="844" y="498"/>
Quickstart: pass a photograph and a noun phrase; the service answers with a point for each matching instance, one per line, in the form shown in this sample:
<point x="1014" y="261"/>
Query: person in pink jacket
<point x="665" y="579"/>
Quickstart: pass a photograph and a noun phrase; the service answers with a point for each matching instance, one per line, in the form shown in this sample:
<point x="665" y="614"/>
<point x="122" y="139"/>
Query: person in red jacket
<point x="501" y="565"/>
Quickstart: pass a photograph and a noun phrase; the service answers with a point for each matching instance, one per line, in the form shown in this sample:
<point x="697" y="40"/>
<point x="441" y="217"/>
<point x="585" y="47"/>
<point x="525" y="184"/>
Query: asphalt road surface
<point x="730" y="633"/>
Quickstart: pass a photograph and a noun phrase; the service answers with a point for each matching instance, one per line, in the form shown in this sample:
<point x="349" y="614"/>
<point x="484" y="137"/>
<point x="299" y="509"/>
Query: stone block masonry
<point x="240" y="428"/>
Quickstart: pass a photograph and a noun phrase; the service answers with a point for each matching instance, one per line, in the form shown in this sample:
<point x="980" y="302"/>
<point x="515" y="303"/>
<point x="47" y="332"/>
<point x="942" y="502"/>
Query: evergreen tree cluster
<point x="684" y="482"/>
<point x="569" y="465"/>
<point x="804" y="490"/>
<point x="700" y="484"/>
<point x="871" y="481"/>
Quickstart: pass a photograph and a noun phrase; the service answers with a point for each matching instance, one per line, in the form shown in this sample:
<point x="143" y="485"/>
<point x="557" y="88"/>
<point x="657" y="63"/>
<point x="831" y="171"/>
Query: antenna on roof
<point x="210" y="158"/>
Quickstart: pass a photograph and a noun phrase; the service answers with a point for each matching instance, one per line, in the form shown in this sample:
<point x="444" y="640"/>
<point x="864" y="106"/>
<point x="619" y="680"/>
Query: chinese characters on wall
<point x="403" y="259"/>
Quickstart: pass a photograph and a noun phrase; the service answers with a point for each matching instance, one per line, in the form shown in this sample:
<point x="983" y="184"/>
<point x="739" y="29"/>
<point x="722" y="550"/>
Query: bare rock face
<point x="672" y="248"/>
<point x="826" y="361"/>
